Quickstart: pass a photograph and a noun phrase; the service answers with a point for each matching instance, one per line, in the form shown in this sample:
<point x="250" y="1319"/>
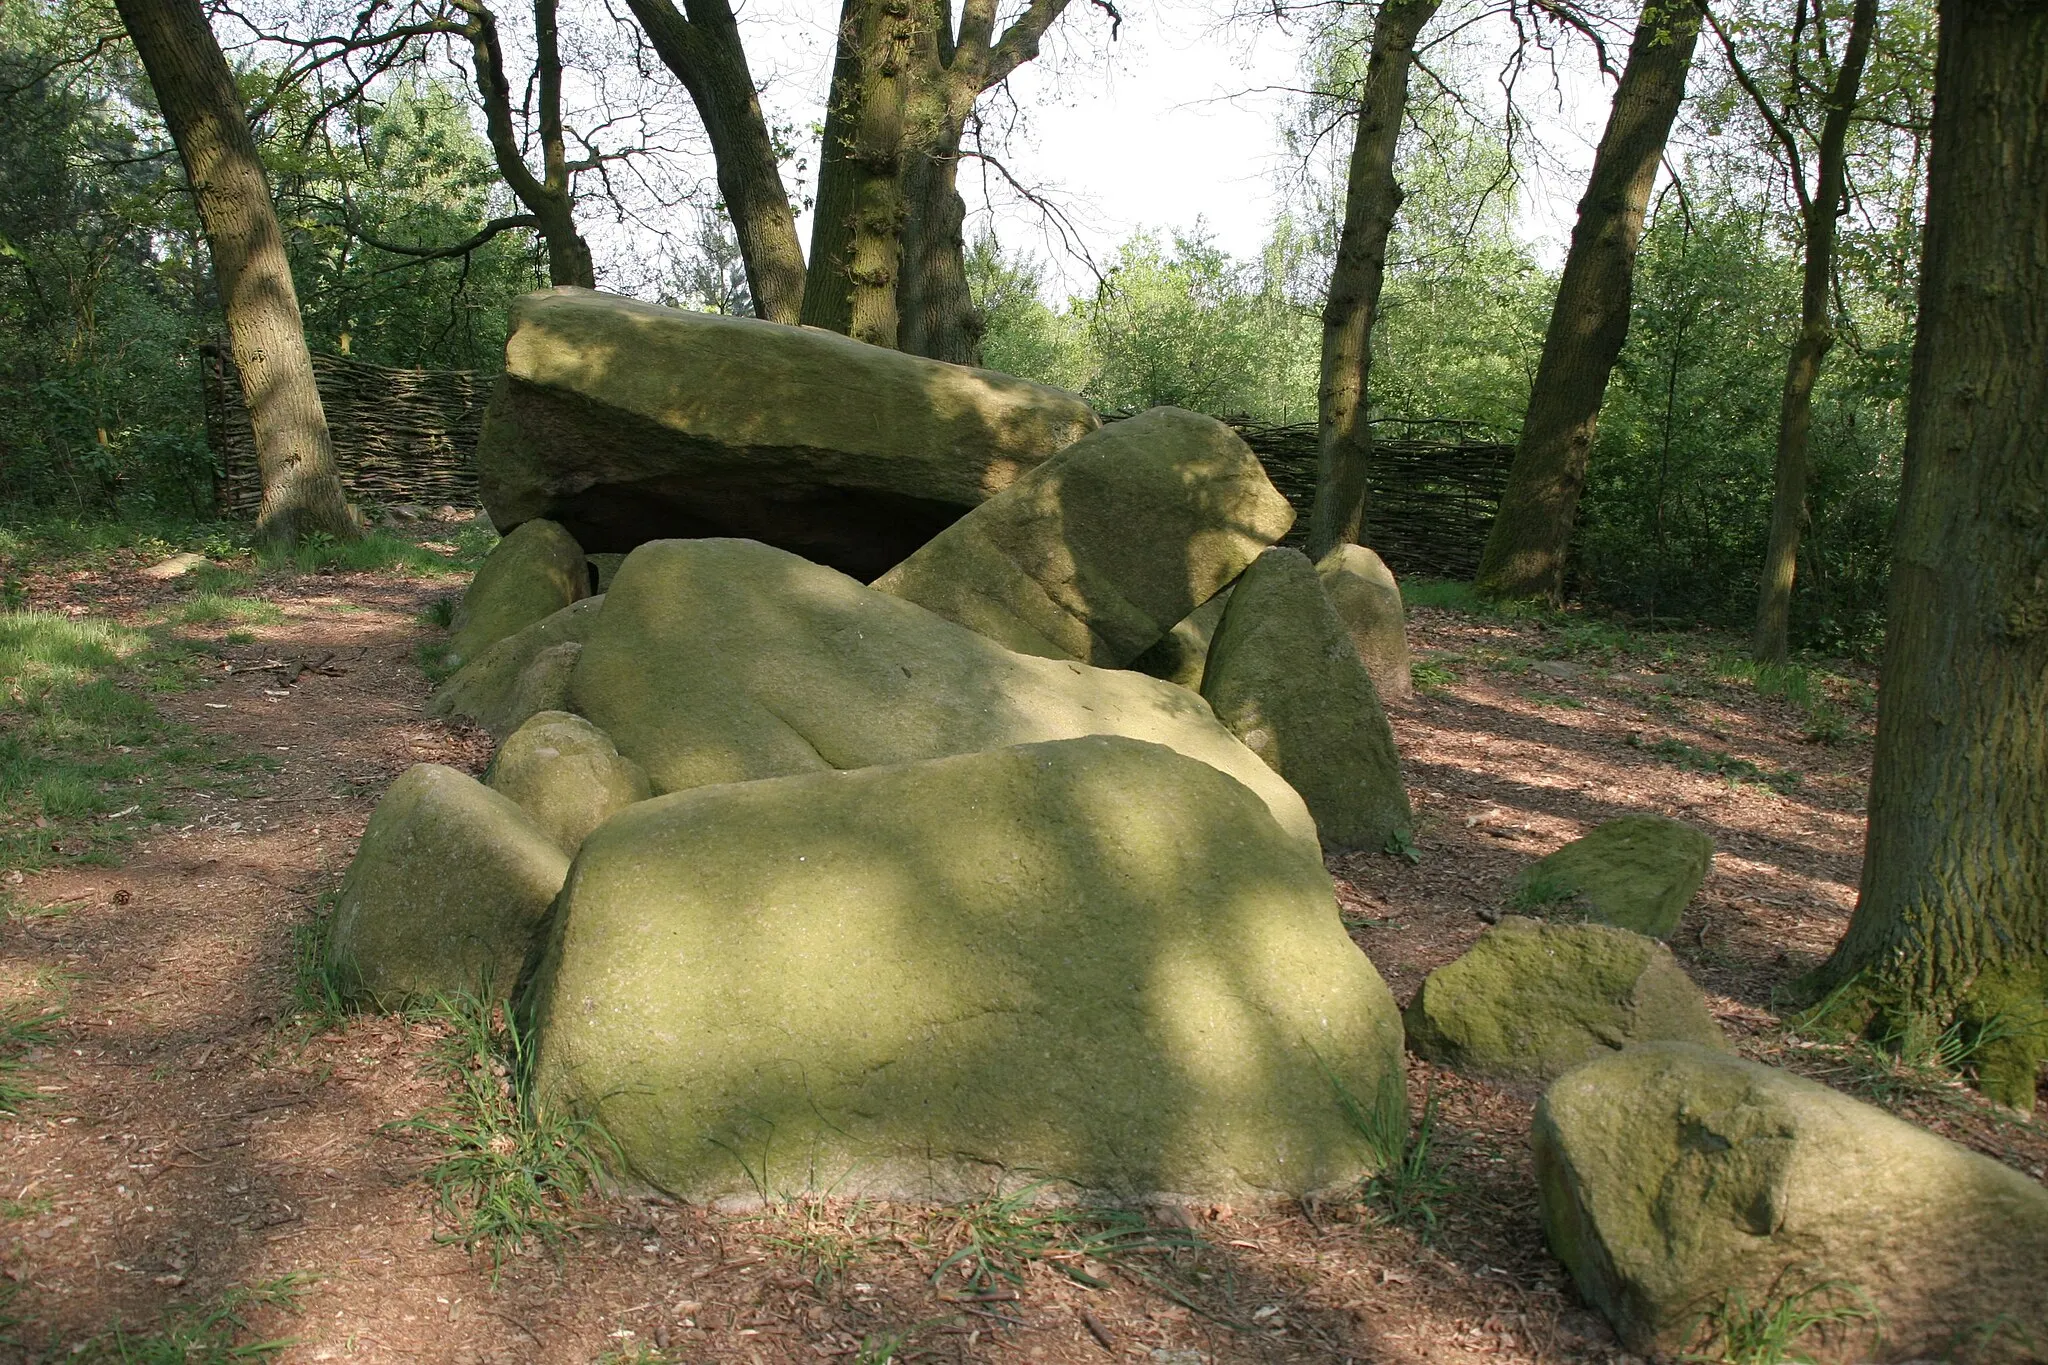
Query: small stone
<point x="1636" y="872"/>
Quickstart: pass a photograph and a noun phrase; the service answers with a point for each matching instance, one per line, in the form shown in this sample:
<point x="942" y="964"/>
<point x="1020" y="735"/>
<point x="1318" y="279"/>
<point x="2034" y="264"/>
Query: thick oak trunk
<point x="1951" y="928"/>
<point x="302" y="491"/>
<point x="1525" y="552"/>
<point x="704" y="53"/>
<point x="1809" y="351"/>
<point x="1372" y="196"/>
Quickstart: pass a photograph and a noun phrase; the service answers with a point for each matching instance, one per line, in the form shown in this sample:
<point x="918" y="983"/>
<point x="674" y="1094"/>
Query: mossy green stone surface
<point x="529" y="576"/>
<point x="1535" y="1000"/>
<point x="1636" y="872"/>
<point x="564" y="772"/>
<point x="725" y="660"/>
<point x="627" y="422"/>
<point x="522" y="674"/>
<point x="1673" y="1176"/>
<point x="1183" y="652"/>
<point x="1095" y="962"/>
<point x="1097" y="553"/>
<point x="445" y="892"/>
<point x="1283" y="676"/>
<point x="1368" y="601"/>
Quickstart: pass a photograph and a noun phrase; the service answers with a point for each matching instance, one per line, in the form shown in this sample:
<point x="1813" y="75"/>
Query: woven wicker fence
<point x="409" y="436"/>
<point x="399" y="435"/>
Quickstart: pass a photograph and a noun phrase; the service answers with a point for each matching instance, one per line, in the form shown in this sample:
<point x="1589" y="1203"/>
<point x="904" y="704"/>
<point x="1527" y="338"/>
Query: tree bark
<point x="943" y="73"/>
<point x="705" y="54"/>
<point x="1525" y="551"/>
<point x="1372" y="196"/>
<point x="302" y="490"/>
<point x="881" y="41"/>
<point x="1951" y="927"/>
<point x="1820" y="214"/>
<point x="548" y="196"/>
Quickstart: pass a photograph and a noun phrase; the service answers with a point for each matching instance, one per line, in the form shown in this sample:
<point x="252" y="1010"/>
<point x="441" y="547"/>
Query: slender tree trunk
<point x="1816" y="338"/>
<point x="301" y="488"/>
<point x="1525" y="552"/>
<point x="1951" y="927"/>
<point x="1372" y="196"/>
<point x="828" y="290"/>
<point x="881" y="42"/>
<point x="705" y="54"/>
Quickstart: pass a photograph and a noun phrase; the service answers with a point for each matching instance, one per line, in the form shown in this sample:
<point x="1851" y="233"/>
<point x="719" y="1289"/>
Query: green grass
<point x="825" y="1248"/>
<point x="88" y="543"/>
<point x="209" y="1333"/>
<point x="1692" y="758"/>
<point x="1539" y="891"/>
<point x="1409" y="1191"/>
<point x="995" y="1240"/>
<point x="318" y="1003"/>
<point x="512" y="1174"/>
<point x="20" y="1030"/>
<point x="1776" y="1330"/>
<point x="1443" y="593"/>
<point x="1556" y="699"/>
<point x="1431" y="675"/>
<point x="211" y="608"/>
<point x="84" y="757"/>
<point x="377" y="552"/>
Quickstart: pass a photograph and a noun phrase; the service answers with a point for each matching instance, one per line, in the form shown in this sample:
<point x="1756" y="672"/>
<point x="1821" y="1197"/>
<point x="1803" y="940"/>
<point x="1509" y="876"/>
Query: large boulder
<point x="1096" y="553"/>
<point x="1368" y="601"/>
<point x="1677" y="1183"/>
<point x="1283" y="676"/>
<point x="629" y="422"/>
<point x="1531" y="1000"/>
<point x="1182" y="653"/>
<point x="1094" y="961"/>
<point x="727" y="660"/>
<point x="445" y="892"/>
<point x="519" y="676"/>
<point x="529" y="576"/>
<point x="1636" y="872"/>
<point x="565" y="773"/>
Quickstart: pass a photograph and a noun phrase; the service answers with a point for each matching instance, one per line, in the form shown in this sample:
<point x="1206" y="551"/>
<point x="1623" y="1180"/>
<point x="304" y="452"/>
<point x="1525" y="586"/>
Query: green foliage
<point x="1535" y="893"/>
<point x="997" y="1238"/>
<point x="84" y="756"/>
<point x="377" y="552"/>
<point x="212" y="608"/>
<point x="1431" y="675"/>
<point x="318" y="1003"/>
<point x="201" y="1334"/>
<point x="20" y="1030"/>
<point x="1776" y="1330"/>
<point x="513" y="1172"/>
<point x="825" y="1247"/>
<point x="1409" y="1190"/>
<point x="1694" y="759"/>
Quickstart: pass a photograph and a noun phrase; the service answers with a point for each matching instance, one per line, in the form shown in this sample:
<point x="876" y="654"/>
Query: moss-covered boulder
<point x="727" y="660"/>
<point x="1535" y="1000"/>
<point x="630" y="422"/>
<point x="1368" y="601"/>
<point x="1182" y="653"/>
<point x="1677" y="1182"/>
<point x="565" y="773"/>
<point x="1097" y="553"/>
<point x="1283" y="676"/>
<point x="520" y="675"/>
<point x="529" y="576"/>
<point x="1094" y="961"/>
<point x="1636" y="872"/>
<point x="445" y="892"/>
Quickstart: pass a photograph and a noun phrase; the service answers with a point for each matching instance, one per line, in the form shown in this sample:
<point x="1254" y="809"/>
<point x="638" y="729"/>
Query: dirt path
<point x="188" y="1139"/>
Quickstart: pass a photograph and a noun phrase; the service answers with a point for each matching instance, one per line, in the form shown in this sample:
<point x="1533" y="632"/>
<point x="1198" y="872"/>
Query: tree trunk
<point x="704" y="53"/>
<point x="1525" y="552"/>
<point x="1951" y="928"/>
<point x="1372" y="197"/>
<point x="302" y="489"/>
<point x="1816" y="339"/>
<point x="828" y="293"/>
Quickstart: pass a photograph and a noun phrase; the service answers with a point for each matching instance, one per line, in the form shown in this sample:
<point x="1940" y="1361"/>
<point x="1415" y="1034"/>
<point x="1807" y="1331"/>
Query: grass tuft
<point x="1692" y="758"/>
<point x="377" y="552"/>
<point x="825" y="1248"/>
<point x="1774" y="1330"/>
<point x="212" y="608"/>
<point x="995" y="1240"/>
<point x="20" y="1030"/>
<point x="1409" y="1190"/>
<point x="513" y="1172"/>
<point x="318" y="1003"/>
<point x="202" y="1334"/>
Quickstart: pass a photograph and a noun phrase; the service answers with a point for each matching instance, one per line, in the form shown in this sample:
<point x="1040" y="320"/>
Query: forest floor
<point x="204" y="1158"/>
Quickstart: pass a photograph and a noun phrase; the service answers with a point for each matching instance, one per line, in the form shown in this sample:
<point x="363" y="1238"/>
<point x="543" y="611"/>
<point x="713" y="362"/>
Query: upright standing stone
<point x="1368" y="601"/>
<point x="1097" y="553"/>
<point x="1637" y="872"/>
<point x="629" y="422"/>
<point x="529" y="576"/>
<point x="1283" y="676"/>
